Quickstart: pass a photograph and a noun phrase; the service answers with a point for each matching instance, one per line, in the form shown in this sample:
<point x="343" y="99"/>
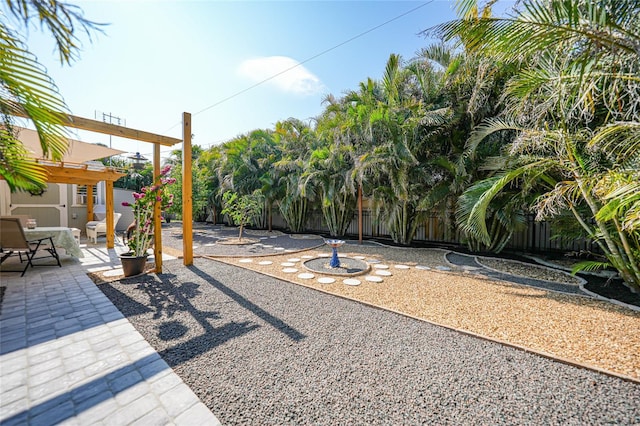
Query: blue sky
<point x="157" y="59"/>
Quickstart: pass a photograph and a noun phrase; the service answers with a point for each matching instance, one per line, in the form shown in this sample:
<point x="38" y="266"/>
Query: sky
<point x="158" y="59"/>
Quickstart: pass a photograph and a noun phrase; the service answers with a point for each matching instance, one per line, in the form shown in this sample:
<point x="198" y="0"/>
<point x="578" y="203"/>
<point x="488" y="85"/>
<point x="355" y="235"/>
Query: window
<point x="80" y="194"/>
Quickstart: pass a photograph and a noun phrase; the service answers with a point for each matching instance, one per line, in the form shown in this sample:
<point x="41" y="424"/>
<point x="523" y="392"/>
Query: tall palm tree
<point x="28" y="90"/>
<point x="297" y="140"/>
<point x="574" y="106"/>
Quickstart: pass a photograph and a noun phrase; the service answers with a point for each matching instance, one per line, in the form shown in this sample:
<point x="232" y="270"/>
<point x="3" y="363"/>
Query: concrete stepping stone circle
<point x="443" y="268"/>
<point x="359" y="257"/>
<point x="351" y="281"/>
<point x="289" y="270"/>
<point x="245" y="260"/>
<point x="373" y="261"/>
<point x="265" y="262"/>
<point x="267" y="246"/>
<point x="326" y="280"/>
<point x="383" y="273"/>
<point x="423" y="268"/>
<point x="401" y="266"/>
<point x="293" y="259"/>
<point x="279" y="248"/>
<point x="287" y="264"/>
<point x="373" y="279"/>
<point x="306" y="256"/>
<point x="306" y="276"/>
<point x="381" y="266"/>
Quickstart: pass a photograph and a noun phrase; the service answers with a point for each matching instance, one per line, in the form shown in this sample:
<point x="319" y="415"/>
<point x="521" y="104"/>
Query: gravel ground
<point x="258" y="350"/>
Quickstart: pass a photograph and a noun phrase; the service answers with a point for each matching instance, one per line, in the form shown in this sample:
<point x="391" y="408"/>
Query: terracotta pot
<point x="132" y="265"/>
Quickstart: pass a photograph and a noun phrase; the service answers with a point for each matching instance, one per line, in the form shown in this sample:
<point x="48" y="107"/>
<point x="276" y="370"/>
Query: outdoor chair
<point x="13" y="241"/>
<point x="96" y="228"/>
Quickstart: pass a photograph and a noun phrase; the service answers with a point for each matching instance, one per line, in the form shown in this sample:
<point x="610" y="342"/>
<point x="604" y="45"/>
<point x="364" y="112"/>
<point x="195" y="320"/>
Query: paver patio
<point x="68" y="356"/>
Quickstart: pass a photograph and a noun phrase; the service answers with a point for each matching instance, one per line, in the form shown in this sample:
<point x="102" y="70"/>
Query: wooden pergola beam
<point x="82" y="123"/>
<point x="80" y="176"/>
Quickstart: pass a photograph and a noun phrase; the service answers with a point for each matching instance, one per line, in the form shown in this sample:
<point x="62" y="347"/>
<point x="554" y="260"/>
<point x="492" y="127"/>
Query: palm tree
<point x="297" y="140"/>
<point x="574" y="107"/>
<point x="28" y="91"/>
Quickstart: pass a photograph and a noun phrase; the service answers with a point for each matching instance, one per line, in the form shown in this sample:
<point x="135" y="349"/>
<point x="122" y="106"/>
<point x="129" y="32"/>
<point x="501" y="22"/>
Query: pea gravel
<point x="258" y="350"/>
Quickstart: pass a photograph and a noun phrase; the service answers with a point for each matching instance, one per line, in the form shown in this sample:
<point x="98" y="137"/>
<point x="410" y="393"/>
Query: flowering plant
<point x="142" y="236"/>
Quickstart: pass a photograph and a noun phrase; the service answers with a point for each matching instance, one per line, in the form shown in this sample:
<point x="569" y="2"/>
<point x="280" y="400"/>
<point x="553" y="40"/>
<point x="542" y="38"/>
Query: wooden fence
<point x="536" y="238"/>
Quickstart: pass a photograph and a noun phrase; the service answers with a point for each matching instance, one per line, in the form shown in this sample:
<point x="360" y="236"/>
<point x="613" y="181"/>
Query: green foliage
<point x="143" y="210"/>
<point x="27" y="89"/>
<point x="243" y="209"/>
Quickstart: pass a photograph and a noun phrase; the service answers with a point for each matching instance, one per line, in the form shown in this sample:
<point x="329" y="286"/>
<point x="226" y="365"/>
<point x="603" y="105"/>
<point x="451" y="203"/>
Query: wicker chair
<point x="96" y="228"/>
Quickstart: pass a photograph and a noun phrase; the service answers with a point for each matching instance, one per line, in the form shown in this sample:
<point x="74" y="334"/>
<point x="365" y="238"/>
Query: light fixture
<point x="138" y="161"/>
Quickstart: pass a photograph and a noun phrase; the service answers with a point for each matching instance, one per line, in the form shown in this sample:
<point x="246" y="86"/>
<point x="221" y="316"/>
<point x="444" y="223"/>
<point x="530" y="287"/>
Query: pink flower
<point x="137" y="195"/>
<point x="158" y="198"/>
<point x="165" y="170"/>
<point x="126" y="203"/>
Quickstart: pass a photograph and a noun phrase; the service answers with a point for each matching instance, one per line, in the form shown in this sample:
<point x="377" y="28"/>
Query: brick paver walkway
<point x="68" y="356"/>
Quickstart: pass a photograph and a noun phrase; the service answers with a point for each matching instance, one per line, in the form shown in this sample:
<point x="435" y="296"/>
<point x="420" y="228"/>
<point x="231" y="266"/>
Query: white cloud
<point x="295" y="78"/>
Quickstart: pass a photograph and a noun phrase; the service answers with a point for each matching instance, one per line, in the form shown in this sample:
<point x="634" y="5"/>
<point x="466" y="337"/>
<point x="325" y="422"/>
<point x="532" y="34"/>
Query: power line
<point x="253" y="86"/>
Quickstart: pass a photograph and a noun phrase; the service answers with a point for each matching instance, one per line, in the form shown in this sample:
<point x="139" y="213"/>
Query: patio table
<point x="62" y="238"/>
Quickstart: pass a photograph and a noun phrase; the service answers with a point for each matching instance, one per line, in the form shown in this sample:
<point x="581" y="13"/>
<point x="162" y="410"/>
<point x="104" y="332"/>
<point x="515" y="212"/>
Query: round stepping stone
<point x="264" y="238"/>
<point x="265" y="262"/>
<point x="289" y="270"/>
<point x="342" y="255"/>
<point x="288" y="264"/>
<point x="401" y="266"/>
<point x="373" y="279"/>
<point x="279" y="248"/>
<point x="209" y="245"/>
<point x="359" y="257"/>
<point x="267" y="246"/>
<point x="324" y="255"/>
<point x="383" y="272"/>
<point x="293" y="259"/>
<point x="381" y="266"/>
<point x="306" y="276"/>
<point x="351" y="281"/>
<point x="373" y="261"/>
<point x="289" y="251"/>
<point x="423" y="268"/>
<point x="306" y="256"/>
<point x="443" y="268"/>
<point x="245" y="260"/>
<point x="273" y="236"/>
<point x="257" y="245"/>
<point x="326" y="280"/>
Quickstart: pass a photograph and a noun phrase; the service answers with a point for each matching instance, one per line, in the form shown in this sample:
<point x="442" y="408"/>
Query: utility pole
<point x="111" y="119"/>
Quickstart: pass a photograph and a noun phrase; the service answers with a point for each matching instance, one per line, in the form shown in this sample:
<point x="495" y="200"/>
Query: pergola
<point x="84" y="175"/>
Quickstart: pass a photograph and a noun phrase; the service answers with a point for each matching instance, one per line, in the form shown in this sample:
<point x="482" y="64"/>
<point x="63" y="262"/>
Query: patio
<point x="68" y="356"/>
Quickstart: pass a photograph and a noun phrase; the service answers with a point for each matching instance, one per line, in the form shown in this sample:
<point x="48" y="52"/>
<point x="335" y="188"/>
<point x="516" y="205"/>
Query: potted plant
<point x="141" y="239"/>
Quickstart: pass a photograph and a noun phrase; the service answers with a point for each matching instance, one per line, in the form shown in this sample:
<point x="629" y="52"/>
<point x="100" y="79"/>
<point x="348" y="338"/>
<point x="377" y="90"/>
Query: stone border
<point x="581" y="281"/>
<point x="338" y="274"/>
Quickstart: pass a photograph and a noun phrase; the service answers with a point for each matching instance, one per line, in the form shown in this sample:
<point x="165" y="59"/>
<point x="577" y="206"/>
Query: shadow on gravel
<point x="275" y="322"/>
<point x="167" y="297"/>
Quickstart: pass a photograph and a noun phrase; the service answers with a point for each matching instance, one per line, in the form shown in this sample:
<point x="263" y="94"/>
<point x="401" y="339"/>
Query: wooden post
<point x="157" y="224"/>
<point x="109" y="208"/>
<point x="187" y="201"/>
<point x="359" y="213"/>
<point x="90" y="203"/>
